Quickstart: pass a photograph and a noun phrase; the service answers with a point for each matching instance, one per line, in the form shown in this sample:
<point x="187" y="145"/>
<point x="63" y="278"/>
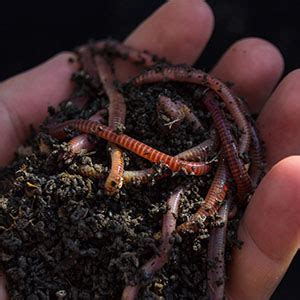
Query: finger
<point x="254" y="66"/>
<point x="3" y="293"/>
<point x="270" y="230"/>
<point x="179" y="30"/>
<point x="24" y="100"/>
<point x="280" y="119"/>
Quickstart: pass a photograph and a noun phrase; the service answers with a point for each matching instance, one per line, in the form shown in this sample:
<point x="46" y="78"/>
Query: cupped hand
<point x="180" y="30"/>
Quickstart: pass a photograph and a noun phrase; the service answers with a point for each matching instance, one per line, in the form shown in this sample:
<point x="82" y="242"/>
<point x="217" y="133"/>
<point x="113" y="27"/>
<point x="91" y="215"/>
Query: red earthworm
<point x="88" y="65"/>
<point x="257" y="167"/>
<point x="237" y="168"/>
<point x="216" y="254"/>
<point x="200" y="152"/>
<point x="118" y="49"/>
<point x="256" y="149"/>
<point x="114" y="180"/>
<point x="135" y="146"/>
<point x="82" y="141"/>
<point x="155" y="263"/>
<point x="190" y="75"/>
<point x="117" y="113"/>
<point x="213" y="200"/>
<point x="117" y="107"/>
<point x="178" y="111"/>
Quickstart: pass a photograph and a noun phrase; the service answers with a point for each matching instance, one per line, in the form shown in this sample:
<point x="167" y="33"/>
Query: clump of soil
<point x="62" y="237"/>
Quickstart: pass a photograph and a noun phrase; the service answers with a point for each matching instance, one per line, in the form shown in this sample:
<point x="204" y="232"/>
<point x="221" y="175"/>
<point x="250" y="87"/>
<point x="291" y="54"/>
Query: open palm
<point x="179" y="30"/>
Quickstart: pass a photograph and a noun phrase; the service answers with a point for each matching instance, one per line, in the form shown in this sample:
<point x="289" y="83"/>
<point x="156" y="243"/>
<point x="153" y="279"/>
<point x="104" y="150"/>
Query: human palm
<point x="179" y="30"/>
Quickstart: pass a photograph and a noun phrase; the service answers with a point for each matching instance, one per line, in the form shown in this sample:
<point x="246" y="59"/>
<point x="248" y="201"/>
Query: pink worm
<point x="212" y="202"/>
<point x="257" y="167"/>
<point x="88" y="64"/>
<point x="149" y="269"/>
<point x="237" y="168"/>
<point x="82" y="141"/>
<point x="178" y="111"/>
<point x="216" y="253"/>
<point x="125" y="52"/>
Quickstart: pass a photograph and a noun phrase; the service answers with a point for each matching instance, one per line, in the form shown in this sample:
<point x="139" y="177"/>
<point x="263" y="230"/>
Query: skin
<point x="270" y="227"/>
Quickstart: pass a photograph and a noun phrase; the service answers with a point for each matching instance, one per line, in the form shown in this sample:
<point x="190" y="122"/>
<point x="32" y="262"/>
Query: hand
<point x="179" y="30"/>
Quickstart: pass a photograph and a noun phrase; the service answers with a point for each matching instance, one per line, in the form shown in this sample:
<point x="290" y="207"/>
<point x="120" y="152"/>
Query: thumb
<point x="24" y="100"/>
<point x="270" y="230"/>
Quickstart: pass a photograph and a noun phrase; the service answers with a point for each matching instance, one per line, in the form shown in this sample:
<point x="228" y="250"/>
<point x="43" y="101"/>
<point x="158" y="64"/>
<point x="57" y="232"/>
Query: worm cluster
<point x="226" y="151"/>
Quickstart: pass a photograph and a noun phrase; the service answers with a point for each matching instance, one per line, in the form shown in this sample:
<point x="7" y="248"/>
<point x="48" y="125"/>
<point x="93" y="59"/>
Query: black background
<point x="31" y="34"/>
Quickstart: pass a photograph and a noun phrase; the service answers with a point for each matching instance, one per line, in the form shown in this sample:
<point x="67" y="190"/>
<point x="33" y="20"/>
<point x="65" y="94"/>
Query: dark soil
<point x="62" y="237"/>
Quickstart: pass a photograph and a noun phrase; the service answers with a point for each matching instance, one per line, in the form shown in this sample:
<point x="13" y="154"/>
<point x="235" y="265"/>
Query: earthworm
<point x="169" y="107"/>
<point x="88" y="65"/>
<point x="133" y="145"/>
<point x="213" y="200"/>
<point x="77" y="144"/>
<point x="82" y="141"/>
<point x="114" y="180"/>
<point x="200" y="152"/>
<point x="191" y="75"/>
<point x="178" y="111"/>
<point x="257" y="167"/>
<point x="118" y="49"/>
<point x="117" y="107"/>
<point x="155" y="263"/>
<point x="237" y="168"/>
<point x="117" y="113"/>
<point x="216" y="254"/>
<point x="256" y="149"/>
